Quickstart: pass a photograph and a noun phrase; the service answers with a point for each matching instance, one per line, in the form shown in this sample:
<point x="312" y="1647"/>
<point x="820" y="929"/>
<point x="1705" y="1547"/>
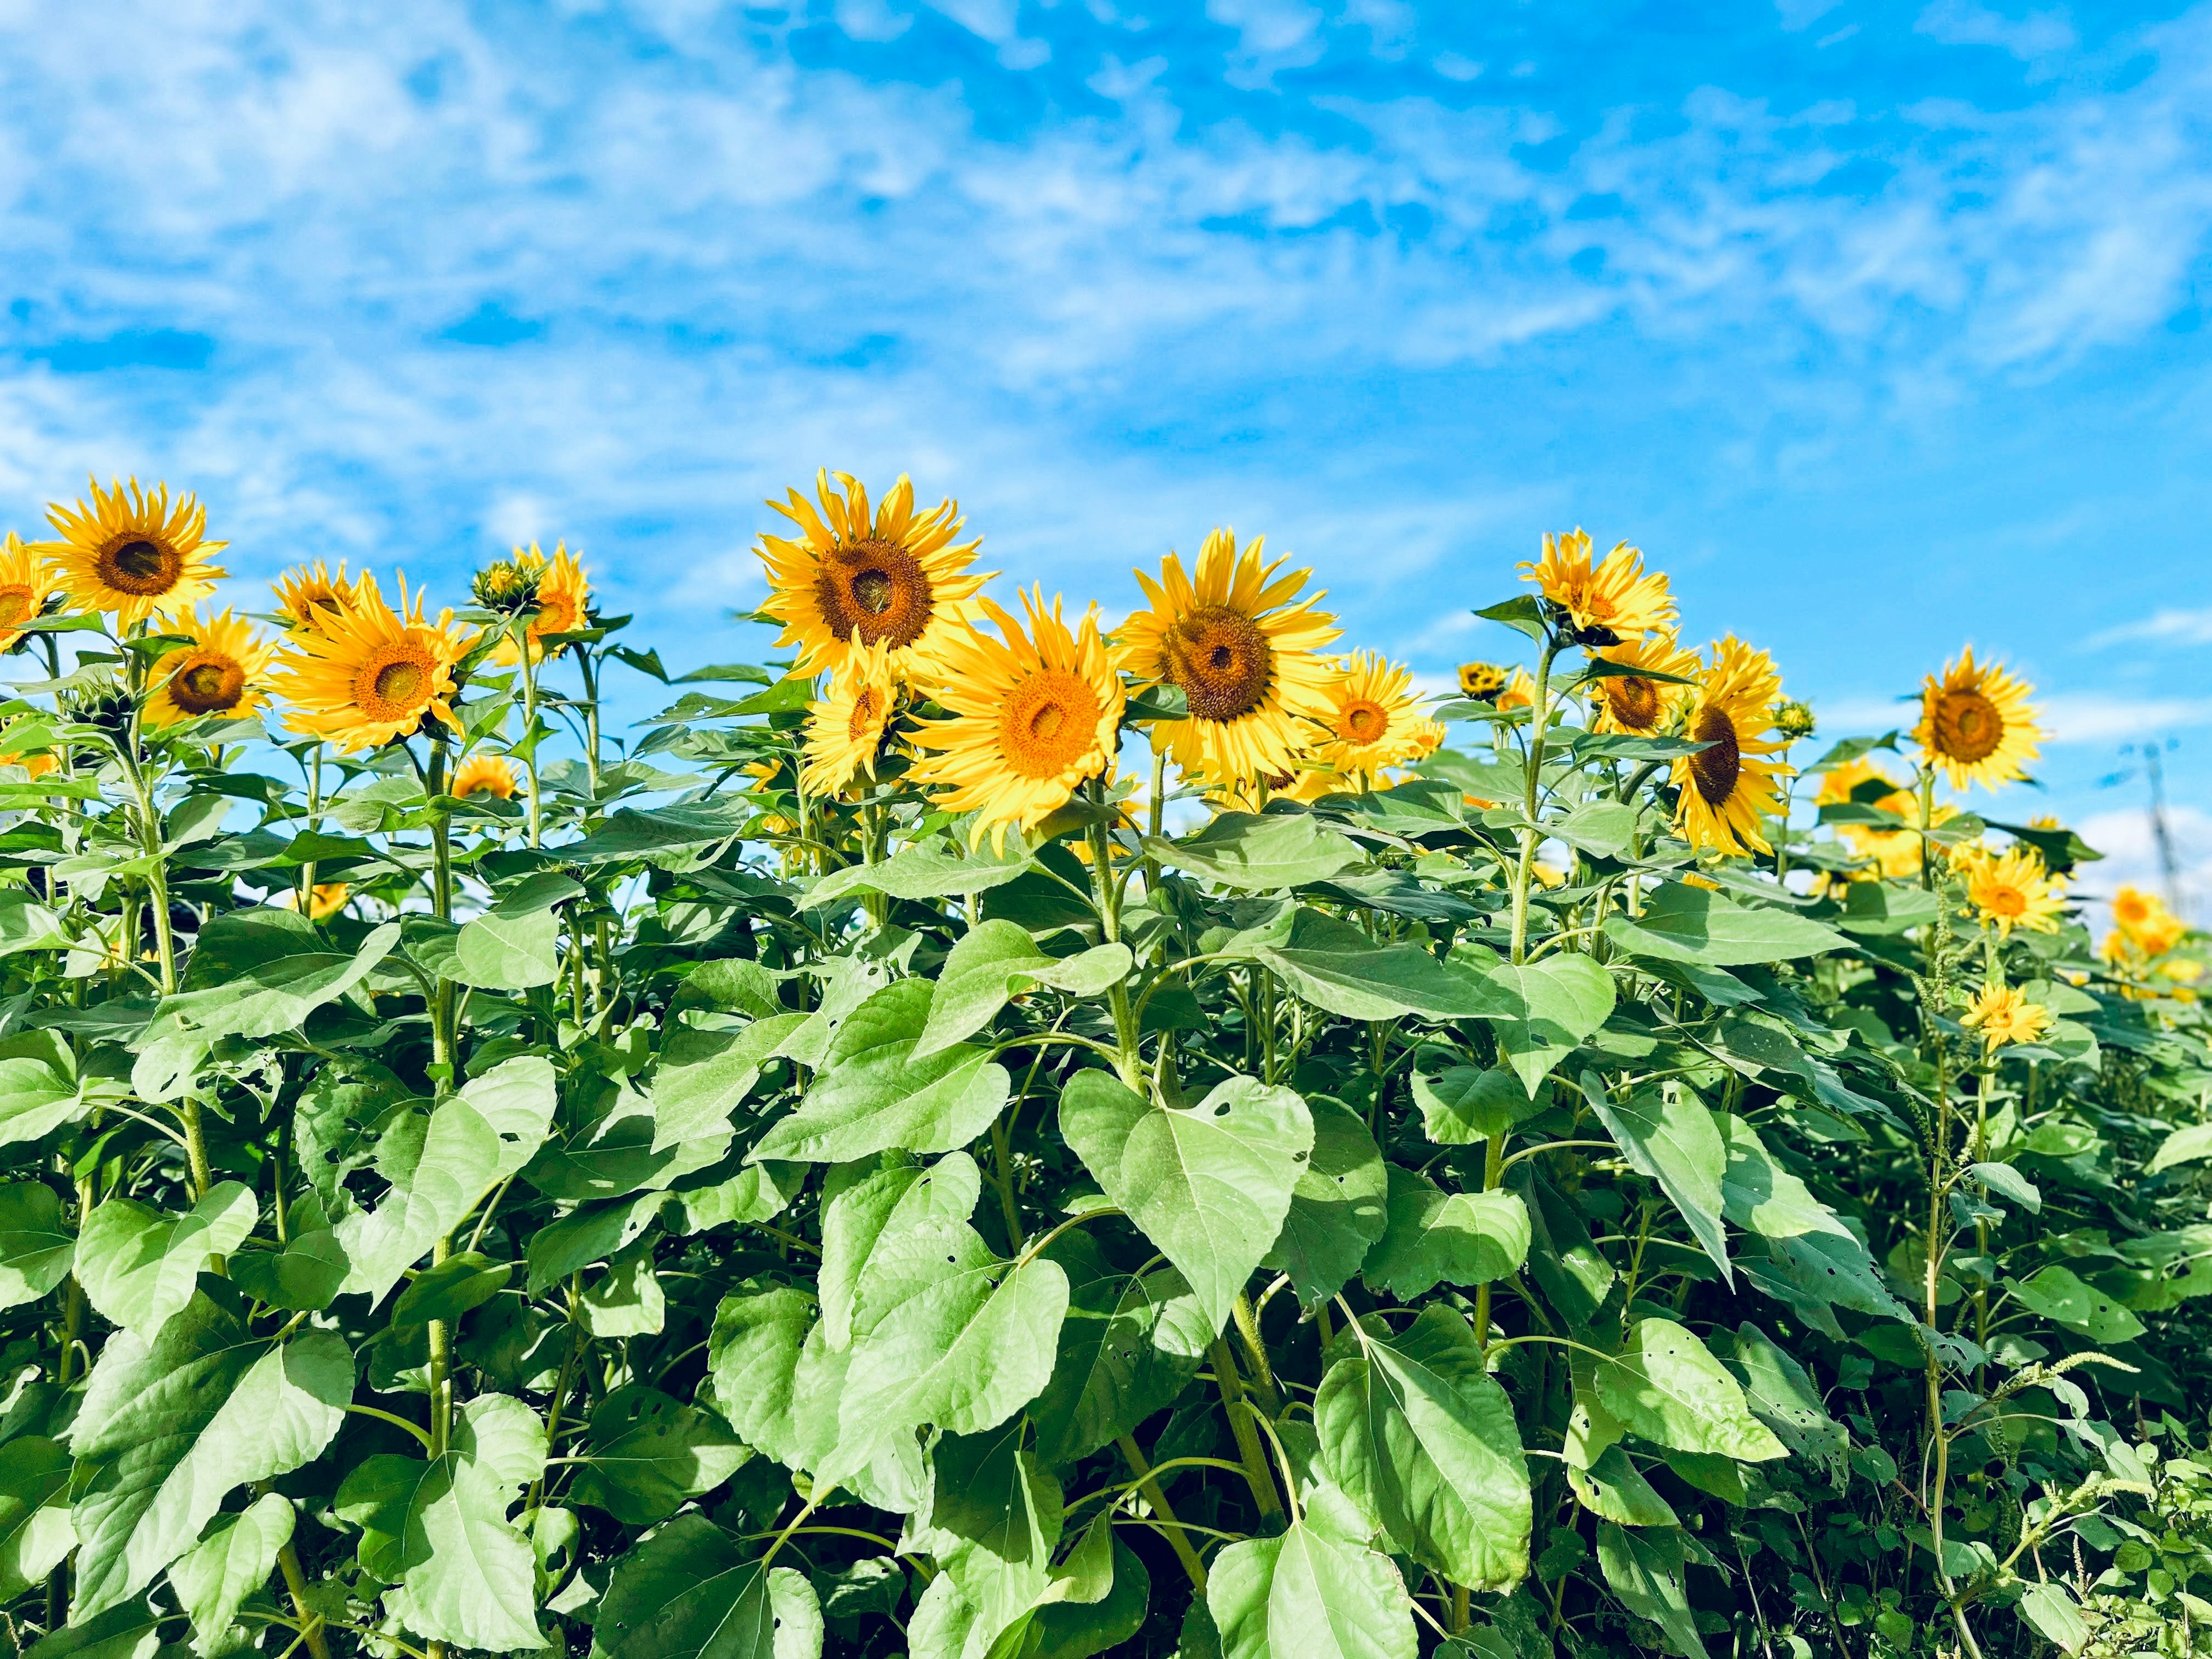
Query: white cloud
<point x="1963" y="23"/>
<point x="2126" y="837"/>
<point x="2165" y="626"/>
<point x="2093" y="717"/>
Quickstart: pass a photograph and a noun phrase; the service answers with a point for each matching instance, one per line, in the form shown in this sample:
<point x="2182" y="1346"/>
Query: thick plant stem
<point x="537" y="823"/>
<point x="1524" y="869"/>
<point x="1129" y="1062"/>
<point x="443" y="1001"/>
<point x="1231" y="1382"/>
<point x="1248" y="1327"/>
<point x="295" y="1585"/>
<point x="1493" y="1167"/>
<point x="441" y="1367"/>
<point x="1158" y="1499"/>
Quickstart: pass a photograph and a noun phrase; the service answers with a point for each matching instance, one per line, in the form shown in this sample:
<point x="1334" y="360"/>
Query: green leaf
<point x="694" y="1591"/>
<point x="752" y="1357"/>
<point x="1757" y="1192"/>
<point x="1614" y="1489"/>
<point x="1210" y="1184"/>
<point x="1128" y="1347"/>
<point x="214" y="1578"/>
<point x="468" y="1145"/>
<point x="35" y="1533"/>
<point x="1461" y="1105"/>
<point x="2063" y="1299"/>
<point x="1420" y="1437"/>
<point x="1604" y="829"/>
<point x="1435" y="1237"/>
<point x="996" y="960"/>
<point x="1523" y="613"/>
<point x="1646" y="1570"/>
<point x="1309" y="1593"/>
<point x="704" y="1076"/>
<point x="502" y="951"/>
<point x="626" y="1300"/>
<point x="2052" y="1613"/>
<point x="168" y="1427"/>
<point x="304" y="1276"/>
<point x="139" y="1266"/>
<point x="863" y="1204"/>
<point x="650" y="1454"/>
<point x="1338" y="1208"/>
<point x="1682" y="923"/>
<point x="1333" y="965"/>
<point x="28" y="925"/>
<point x="992" y="1522"/>
<point x="1254" y="853"/>
<point x="631" y="834"/>
<point x="2183" y="1147"/>
<point x="1784" y="1397"/>
<point x="1668" y="1133"/>
<point x="921" y="873"/>
<point x="35" y="1099"/>
<point x="1666" y="1387"/>
<point x="450" y="1288"/>
<point x="873" y="1095"/>
<point x="130" y="1629"/>
<point x="36" y="1249"/>
<point x="1543" y="1009"/>
<point x="2007" y="1182"/>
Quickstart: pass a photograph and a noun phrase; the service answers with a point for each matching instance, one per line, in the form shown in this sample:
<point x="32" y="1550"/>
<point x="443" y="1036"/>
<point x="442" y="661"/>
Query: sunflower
<point x="1631" y="703"/>
<point x="26" y="585"/>
<point x="2012" y="889"/>
<point x="1896" y="852"/>
<point x="218" y="674"/>
<point x="1374" y="720"/>
<point x="1520" y="691"/>
<point x="563" y="592"/>
<point x="483" y="774"/>
<point x="370" y="674"/>
<point x="845" y="729"/>
<point x="308" y="594"/>
<point x="1241" y="646"/>
<point x="1306" y="785"/>
<point x="1728" y="786"/>
<point x="1481" y="681"/>
<point x="330" y="897"/>
<point x="898" y="577"/>
<point x="36" y="764"/>
<point x="1617" y="599"/>
<point x="133" y="553"/>
<point x="1030" y="719"/>
<point x="1976" y="725"/>
<point x="2002" y="1015"/>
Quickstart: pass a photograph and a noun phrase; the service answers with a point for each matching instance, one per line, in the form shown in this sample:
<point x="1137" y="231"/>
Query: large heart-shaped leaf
<point x="1666" y="1387"/>
<point x="1311" y="1592"/>
<point x="994" y="961"/>
<point x="1339" y="1208"/>
<point x="1682" y="923"/>
<point x="1435" y="1237"/>
<point x="139" y="1266"/>
<point x="1543" y="1010"/>
<point x="694" y="1591"/>
<point x="1668" y="1133"/>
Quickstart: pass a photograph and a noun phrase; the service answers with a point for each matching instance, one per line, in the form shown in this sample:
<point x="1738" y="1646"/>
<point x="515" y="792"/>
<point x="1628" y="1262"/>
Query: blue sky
<point x="1879" y="327"/>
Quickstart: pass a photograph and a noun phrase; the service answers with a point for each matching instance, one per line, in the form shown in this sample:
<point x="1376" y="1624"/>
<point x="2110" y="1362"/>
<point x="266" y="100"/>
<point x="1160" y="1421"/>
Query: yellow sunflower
<point x="1520" y="691"/>
<point x="307" y="595"/>
<point x="1481" y="681"/>
<point x="2003" y="1016"/>
<point x="845" y="729"/>
<point x="329" y="898"/>
<point x="1374" y="720"/>
<point x="1895" y="852"/>
<point x="563" y="592"/>
<point x="26" y="585"/>
<point x="1631" y="703"/>
<point x="1727" y="788"/>
<point x="2012" y="889"/>
<point x="484" y="774"/>
<point x="1617" y="597"/>
<point x="897" y="578"/>
<point x="1030" y="718"/>
<point x="1976" y="723"/>
<point x="370" y="674"/>
<point x="35" y="765"/>
<point x="132" y="552"/>
<point x="1243" y="648"/>
<point x="219" y="673"/>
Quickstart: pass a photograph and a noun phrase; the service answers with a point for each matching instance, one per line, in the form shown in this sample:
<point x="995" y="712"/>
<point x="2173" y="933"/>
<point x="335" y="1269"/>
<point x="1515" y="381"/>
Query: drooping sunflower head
<point x="2003" y="1014"/>
<point x="484" y="774"/>
<point x="1481" y="681"/>
<point x="1727" y="788"/>
<point x="26" y="585"/>
<point x="328" y="898"/>
<point x="1244" y="648"/>
<point x="371" y="674"/>
<point x="2012" y="889"/>
<point x="1636" y="703"/>
<point x="897" y="577"/>
<point x="133" y="551"/>
<point x="845" y="729"/>
<point x="1374" y="721"/>
<point x="559" y="589"/>
<point x="1602" y="605"/>
<point x="307" y="595"/>
<point x="1031" y="715"/>
<point x="1976" y="724"/>
<point x="220" y="675"/>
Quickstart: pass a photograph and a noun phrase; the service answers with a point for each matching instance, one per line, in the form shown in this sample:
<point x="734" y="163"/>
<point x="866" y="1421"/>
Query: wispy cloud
<point x="2165" y="627"/>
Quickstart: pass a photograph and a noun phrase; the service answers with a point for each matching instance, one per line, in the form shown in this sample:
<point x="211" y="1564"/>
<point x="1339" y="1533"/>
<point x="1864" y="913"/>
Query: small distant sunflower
<point x="484" y="774"/>
<point x="2143" y="920"/>
<point x="26" y="585"/>
<point x="371" y="674"/>
<point x="133" y="553"/>
<point x="1520" y="691"/>
<point x="1481" y="681"/>
<point x="2012" y="889"/>
<point x="1030" y="718"/>
<point x="1243" y="648"/>
<point x="330" y="897"/>
<point x="220" y="673"/>
<point x="308" y="594"/>
<point x="898" y="578"/>
<point x="1896" y="852"/>
<point x="1631" y="703"/>
<point x="1727" y="788"/>
<point x="2003" y="1016"/>
<point x="1976" y="724"/>
<point x="563" y="592"/>
<point x="1374" y="720"/>
<point x="845" y="729"/>
<point x="1617" y="599"/>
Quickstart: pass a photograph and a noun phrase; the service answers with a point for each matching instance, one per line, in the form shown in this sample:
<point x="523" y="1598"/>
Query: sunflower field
<point x="1012" y="1133"/>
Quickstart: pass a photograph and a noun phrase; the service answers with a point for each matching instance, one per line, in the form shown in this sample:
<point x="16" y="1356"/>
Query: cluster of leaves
<point x="754" y="1227"/>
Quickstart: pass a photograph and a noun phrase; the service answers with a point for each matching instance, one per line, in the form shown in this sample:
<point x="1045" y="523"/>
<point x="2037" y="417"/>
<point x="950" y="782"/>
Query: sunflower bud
<point x="1794" y="719"/>
<point x="507" y="588"/>
<point x="1481" y="681"/>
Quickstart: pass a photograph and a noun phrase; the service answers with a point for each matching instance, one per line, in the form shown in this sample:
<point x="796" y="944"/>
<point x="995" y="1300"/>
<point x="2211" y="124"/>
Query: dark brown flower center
<point x="1715" y="769"/>
<point x="874" y="589"/>
<point x="1968" y="727"/>
<point x="1221" y="660"/>
<point x="208" y="685"/>
<point x="144" y="569"/>
<point x="1634" y="701"/>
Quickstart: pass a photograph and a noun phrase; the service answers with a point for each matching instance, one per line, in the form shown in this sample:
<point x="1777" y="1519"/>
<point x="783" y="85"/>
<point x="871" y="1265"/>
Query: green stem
<point x="1493" y="1168"/>
<point x="1231" y="1382"/>
<point x="1524" y="870"/>
<point x="1150" y="1485"/>
<point x="1129" y="1062"/>
<point x="530" y="730"/>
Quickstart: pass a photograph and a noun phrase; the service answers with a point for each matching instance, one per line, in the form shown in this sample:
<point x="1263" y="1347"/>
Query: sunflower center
<point x="874" y="589"/>
<point x="1715" y="769"/>
<point x="1362" y="722"/>
<point x="140" y="567"/>
<point x="1634" y="701"/>
<point x="1968" y="727"/>
<point x="867" y="714"/>
<point x="1048" y="723"/>
<point x="2006" y="901"/>
<point x="14" y="605"/>
<point x="208" y="685"/>
<point x="1221" y="660"/>
<point x="395" y="683"/>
